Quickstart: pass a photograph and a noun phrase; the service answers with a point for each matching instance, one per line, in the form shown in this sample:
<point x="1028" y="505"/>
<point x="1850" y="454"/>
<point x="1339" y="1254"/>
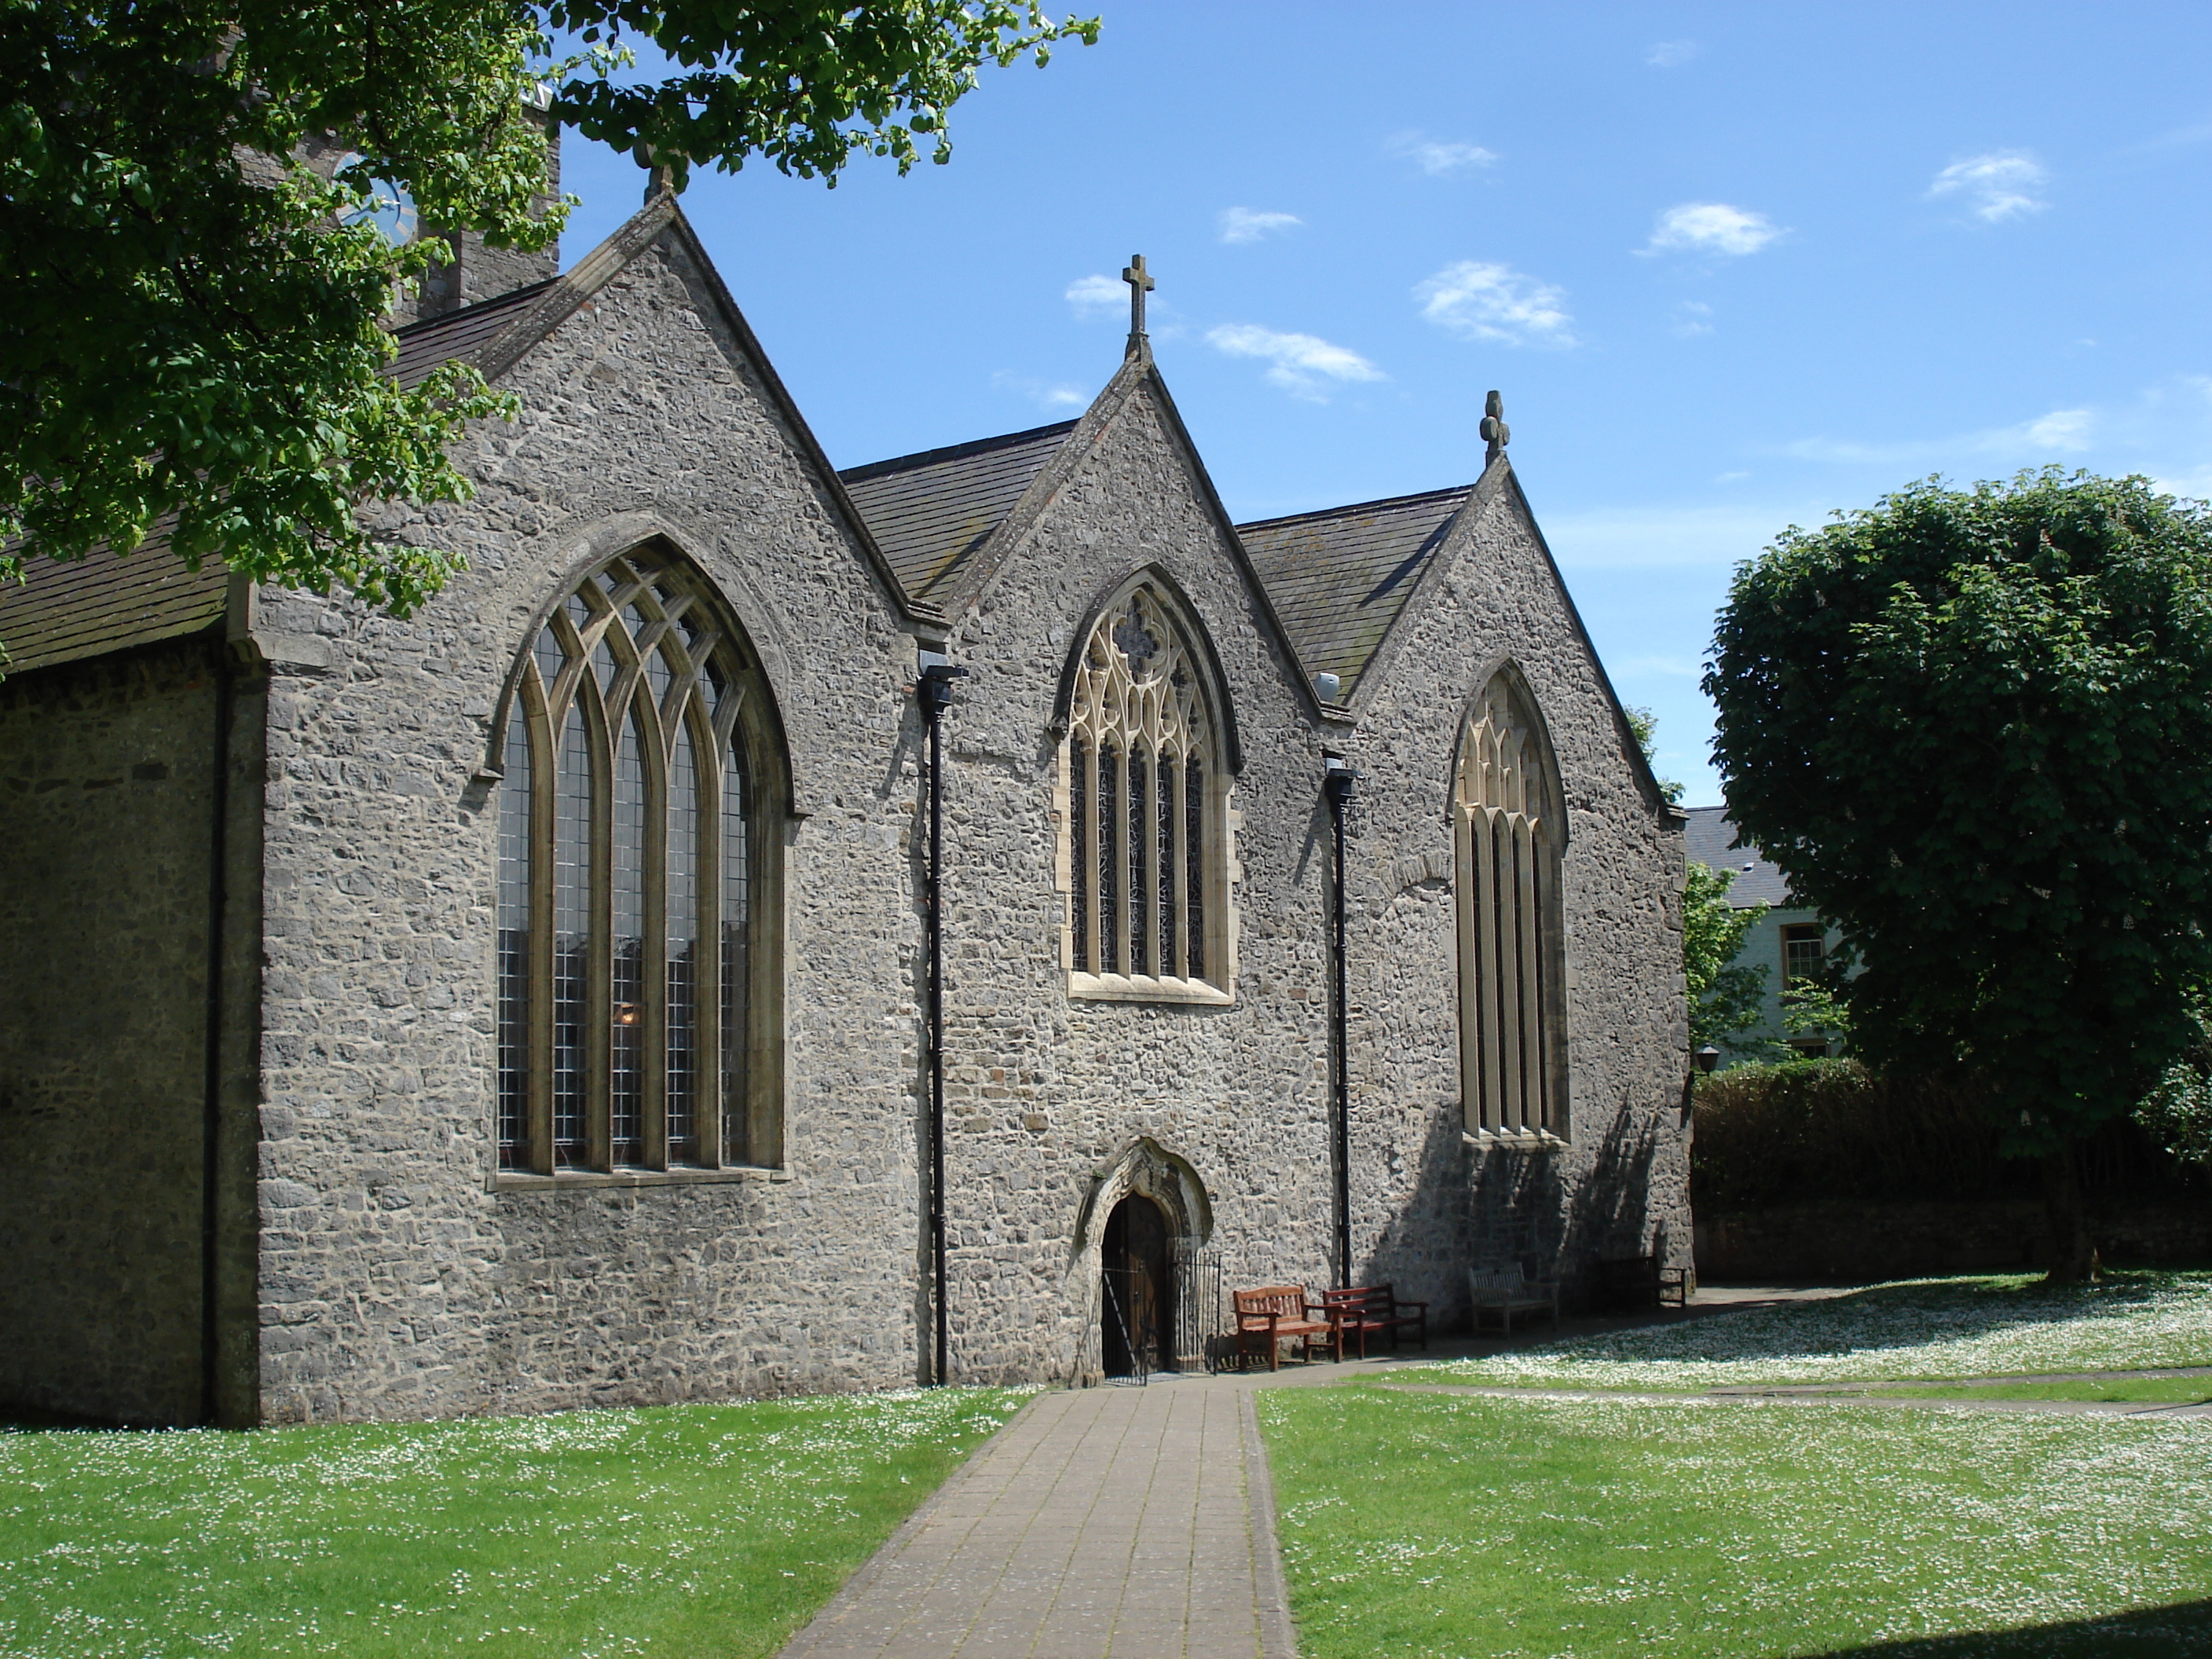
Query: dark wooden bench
<point x="1638" y="1284"/>
<point x="1359" y="1310"/>
<point x="1274" y="1313"/>
<point x="1507" y="1290"/>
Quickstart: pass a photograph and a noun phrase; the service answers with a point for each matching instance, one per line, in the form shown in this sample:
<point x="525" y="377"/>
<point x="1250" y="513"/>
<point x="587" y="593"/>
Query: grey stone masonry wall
<point x="399" y="1276"/>
<point x="1048" y="1096"/>
<point x="106" y="808"/>
<point x="1427" y="1200"/>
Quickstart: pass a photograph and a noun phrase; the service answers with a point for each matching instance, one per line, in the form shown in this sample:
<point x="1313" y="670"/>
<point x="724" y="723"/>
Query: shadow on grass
<point x="1895" y="1315"/>
<point x="2167" y="1632"/>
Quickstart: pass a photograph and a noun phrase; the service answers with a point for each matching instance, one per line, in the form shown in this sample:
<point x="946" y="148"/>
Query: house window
<point x="632" y="1031"/>
<point x="1145" y="803"/>
<point x="1804" y="953"/>
<point x="1507" y="832"/>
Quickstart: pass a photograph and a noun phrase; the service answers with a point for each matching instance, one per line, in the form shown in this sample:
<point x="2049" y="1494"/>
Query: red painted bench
<point x="1361" y="1308"/>
<point x="1273" y="1314"/>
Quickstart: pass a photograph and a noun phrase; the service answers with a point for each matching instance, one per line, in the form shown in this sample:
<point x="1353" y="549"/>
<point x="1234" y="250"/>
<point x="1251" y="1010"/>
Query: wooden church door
<point x="1134" y="1296"/>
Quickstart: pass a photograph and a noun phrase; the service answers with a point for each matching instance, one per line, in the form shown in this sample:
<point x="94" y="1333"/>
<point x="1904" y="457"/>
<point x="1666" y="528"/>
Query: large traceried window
<point x="634" y="1032"/>
<point x="1144" y="806"/>
<point x="1507" y="829"/>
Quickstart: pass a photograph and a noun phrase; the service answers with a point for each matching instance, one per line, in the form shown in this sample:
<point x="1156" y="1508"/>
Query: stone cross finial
<point x="1495" y="433"/>
<point x="1140" y="283"/>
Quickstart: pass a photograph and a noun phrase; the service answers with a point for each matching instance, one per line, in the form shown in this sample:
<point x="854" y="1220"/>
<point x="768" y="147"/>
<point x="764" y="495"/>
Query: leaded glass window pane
<point x="514" y="946"/>
<point x="1142" y="840"/>
<point x="628" y="881"/>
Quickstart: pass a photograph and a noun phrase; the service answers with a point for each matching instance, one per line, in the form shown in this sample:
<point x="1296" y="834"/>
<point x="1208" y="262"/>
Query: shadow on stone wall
<point x="1421" y="1251"/>
<point x="1610" y="1215"/>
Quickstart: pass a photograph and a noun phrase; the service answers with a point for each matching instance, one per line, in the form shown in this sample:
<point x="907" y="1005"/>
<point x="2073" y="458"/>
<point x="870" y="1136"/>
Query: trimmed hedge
<point x="1810" y="1129"/>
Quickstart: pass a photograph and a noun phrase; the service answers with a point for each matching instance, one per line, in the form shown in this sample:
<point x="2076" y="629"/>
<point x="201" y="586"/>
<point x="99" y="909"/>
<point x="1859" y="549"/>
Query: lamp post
<point x="932" y="691"/>
<point x="1707" y="1058"/>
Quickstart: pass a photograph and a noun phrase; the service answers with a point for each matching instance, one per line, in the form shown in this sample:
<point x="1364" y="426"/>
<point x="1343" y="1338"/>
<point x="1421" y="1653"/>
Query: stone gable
<point x="398" y="1272"/>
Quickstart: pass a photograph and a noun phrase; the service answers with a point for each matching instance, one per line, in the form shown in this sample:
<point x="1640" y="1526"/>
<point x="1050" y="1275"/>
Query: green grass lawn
<point x="685" y="1530"/>
<point x="1923" y="1330"/>
<point x="1452" y="1526"/>
<point x="2110" y="1391"/>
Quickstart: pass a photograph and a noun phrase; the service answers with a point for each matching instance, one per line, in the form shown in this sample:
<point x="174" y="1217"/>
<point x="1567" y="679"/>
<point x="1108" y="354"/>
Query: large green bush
<point x="1807" y="1130"/>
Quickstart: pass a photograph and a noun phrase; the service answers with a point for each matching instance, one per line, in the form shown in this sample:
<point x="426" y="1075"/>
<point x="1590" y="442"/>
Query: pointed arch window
<point x="634" y="1032"/>
<point x="1506" y="827"/>
<point x="1144" y="806"/>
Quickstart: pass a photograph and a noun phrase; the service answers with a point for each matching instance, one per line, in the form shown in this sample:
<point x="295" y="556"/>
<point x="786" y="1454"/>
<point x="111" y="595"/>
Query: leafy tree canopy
<point x="1724" y="993"/>
<point x="193" y="326"/>
<point x="1974" y="728"/>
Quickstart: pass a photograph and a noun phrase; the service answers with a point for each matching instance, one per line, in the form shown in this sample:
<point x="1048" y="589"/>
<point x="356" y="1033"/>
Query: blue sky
<point x="1732" y="267"/>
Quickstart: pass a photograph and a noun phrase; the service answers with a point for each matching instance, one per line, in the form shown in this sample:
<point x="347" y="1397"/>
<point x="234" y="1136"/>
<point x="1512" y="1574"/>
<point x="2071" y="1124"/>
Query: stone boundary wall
<point x="1850" y="1243"/>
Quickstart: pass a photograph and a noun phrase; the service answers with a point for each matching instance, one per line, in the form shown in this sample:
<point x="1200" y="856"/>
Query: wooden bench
<point x="1506" y="1292"/>
<point x="1639" y="1285"/>
<point x="1361" y="1308"/>
<point x="1273" y="1314"/>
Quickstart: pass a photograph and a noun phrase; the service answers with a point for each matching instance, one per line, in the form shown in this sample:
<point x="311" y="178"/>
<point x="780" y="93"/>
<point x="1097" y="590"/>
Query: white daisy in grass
<point x="1920" y="1329"/>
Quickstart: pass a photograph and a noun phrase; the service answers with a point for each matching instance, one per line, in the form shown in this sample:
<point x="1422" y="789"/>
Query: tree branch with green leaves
<point x="198" y="333"/>
<point x="1973" y="728"/>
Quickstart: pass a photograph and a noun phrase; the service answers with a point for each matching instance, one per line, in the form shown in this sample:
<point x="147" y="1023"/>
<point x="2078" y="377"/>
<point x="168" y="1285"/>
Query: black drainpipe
<point x="1337" y="786"/>
<point x="933" y="691"/>
<point x="212" y="1101"/>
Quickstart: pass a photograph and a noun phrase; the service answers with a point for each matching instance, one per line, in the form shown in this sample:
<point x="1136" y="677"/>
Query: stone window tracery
<point x="1507" y="834"/>
<point x="1145" y="804"/>
<point x="632" y="1034"/>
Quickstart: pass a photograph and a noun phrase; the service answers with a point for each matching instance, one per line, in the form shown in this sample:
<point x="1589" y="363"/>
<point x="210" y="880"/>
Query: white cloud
<point x="1691" y="318"/>
<point x="1666" y="54"/>
<point x="1997" y="186"/>
<point x="1439" y="158"/>
<point x="1496" y="302"/>
<point x="1299" y="364"/>
<point x="2063" y="428"/>
<point x="1045" y="394"/>
<point x="2063" y="431"/>
<point x="1711" y="227"/>
<point x="1096" y="296"/>
<point x="1244" y="225"/>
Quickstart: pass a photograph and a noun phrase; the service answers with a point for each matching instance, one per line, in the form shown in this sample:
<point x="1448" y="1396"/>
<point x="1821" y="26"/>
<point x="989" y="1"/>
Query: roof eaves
<point x="951" y="453"/>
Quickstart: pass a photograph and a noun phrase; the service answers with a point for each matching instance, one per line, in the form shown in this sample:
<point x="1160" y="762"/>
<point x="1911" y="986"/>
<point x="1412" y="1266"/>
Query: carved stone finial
<point x="660" y="180"/>
<point x="1495" y="433"/>
<point x="1140" y="283"/>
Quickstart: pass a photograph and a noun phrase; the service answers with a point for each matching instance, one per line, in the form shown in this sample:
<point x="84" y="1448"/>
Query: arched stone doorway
<point x="1136" y="1290"/>
<point x="1171" y="1205"/>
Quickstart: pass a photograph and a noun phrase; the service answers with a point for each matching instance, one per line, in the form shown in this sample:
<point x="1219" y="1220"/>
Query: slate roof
<point x="91" y="606"/>
<point x="1709" y="839"/>
<point x="930" y="513"/>
<point x="435" y="340"/>
<point x="1341" y="578"/>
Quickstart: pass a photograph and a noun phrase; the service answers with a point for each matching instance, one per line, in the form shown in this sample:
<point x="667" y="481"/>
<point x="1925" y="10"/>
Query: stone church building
<point x="527" y="1005"/>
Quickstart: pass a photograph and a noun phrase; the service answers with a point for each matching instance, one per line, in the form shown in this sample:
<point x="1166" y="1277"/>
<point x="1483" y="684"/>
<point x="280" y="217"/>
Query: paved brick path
<point x="1102" y="1523"/>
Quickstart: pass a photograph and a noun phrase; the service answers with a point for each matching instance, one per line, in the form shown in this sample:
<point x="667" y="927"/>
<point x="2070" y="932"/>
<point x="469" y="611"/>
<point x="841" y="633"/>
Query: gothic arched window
<point x="637" y="870"/>
<point x="1507" y="832"/>
<point x="1145" y="805"/>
